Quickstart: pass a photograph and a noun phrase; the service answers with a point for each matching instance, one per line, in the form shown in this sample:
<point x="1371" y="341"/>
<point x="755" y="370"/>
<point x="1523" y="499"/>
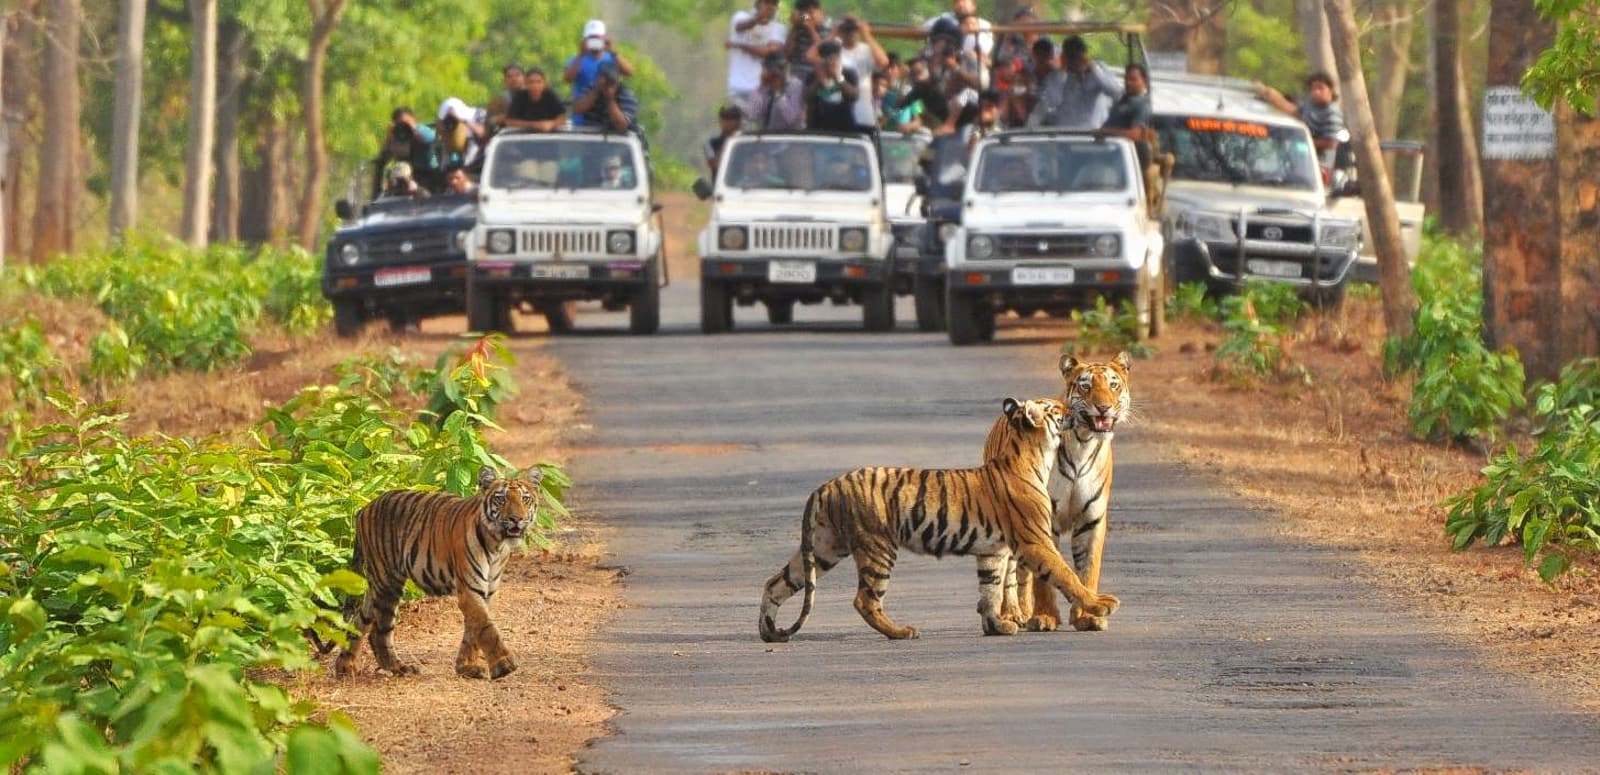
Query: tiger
<point x="1098" y="398"/>
<point x="993" y="512"/>
<point x="448" y="545"/>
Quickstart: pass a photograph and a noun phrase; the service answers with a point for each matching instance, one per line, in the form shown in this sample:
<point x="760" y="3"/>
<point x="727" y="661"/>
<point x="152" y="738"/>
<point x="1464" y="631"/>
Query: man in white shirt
<point x="861" y="52"/>
<point x="752" y="35"/>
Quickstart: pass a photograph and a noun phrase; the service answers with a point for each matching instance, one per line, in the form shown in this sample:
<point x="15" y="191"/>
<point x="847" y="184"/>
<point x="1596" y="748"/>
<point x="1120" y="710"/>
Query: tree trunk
<point x="1314" y="32"/>
<point x="5" y="142"/>
<point x="1455" y="156"/>
<point x="324" y="16"/>
<point x="1377" y="193"/>
<point x="18" y="83"/>
<point x="1542" y="207"/>
<point x="231" y="48"/>
<point x="264" y="190"/>
<point x="1197" y="28"/>
<point x="54" y="210"/>
<point x="202" y="122"/>
<point x="1393" y="46"/>
<point x="125" y="120"/>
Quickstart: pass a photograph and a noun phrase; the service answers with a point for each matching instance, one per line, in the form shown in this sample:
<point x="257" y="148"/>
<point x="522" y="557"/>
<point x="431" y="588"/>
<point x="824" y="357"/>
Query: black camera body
<point x="402" y="131"/>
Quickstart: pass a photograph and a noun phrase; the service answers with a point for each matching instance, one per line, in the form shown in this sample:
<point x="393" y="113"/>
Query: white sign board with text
<point x="1515" y="127"/>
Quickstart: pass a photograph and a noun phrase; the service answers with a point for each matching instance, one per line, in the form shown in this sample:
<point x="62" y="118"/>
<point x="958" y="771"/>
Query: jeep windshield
<point x="900" y="157"/>
<point x="553" y="162"/>
<point x="1052" y="167"/>
<point x="1240" y="152"/>
<point x="799" y="164"/>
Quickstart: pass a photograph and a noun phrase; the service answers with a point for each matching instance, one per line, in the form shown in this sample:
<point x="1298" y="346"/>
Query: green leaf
<point x="344" y="580"/>
<point x="312" y="751"/>
<point x="26" y="617"/>
<point x="1553" y="566"/>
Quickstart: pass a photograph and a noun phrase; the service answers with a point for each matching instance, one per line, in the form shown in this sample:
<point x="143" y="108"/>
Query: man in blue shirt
<point x="609" y="103"/>
<point x="583" y="68"/>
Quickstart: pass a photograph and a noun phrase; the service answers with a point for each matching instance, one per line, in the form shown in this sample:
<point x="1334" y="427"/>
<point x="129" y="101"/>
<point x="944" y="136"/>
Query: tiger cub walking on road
<point x="1097" y="399"/>
<point x="448" y="545"/>
<point x="993" y="512"/>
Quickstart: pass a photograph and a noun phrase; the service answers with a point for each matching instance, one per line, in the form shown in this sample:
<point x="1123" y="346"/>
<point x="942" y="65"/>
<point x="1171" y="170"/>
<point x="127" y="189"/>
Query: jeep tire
<point x="877" y="307"/>
<point x="644" y="309"/>
<point x="970" y="321"/>
<point x="716" y="307"/>
<point x="348" y="317"/>
<point x="558" y="316"/>
<point x="928" y="292"/>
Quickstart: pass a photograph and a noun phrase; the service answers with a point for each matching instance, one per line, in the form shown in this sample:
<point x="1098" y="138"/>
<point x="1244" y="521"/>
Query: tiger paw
<point x="1043" y="623"/>
<point x="1000" y="626"/>
<point x="471" y="670"/>
<point x="904" y="633"/>
<point x="1084" y="623"/>
<point x="400" y="669"/>
<point x="506" y="666"/>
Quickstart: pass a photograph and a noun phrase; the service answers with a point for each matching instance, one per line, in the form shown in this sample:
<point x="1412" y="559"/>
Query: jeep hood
<point x="800" y="208"/>
<point x="503" y="211"/>
<point x="1018" y="211"/>
<point x="1225" y="197"/>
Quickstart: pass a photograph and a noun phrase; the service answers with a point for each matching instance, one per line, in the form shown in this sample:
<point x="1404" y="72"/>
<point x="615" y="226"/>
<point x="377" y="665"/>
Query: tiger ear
<point x="1124" y="360"/>
<point x="487" y="477"/>
<point x="1009" y="407"/>
<point x="535" y="475"/>
<point x="1068" y="365"/>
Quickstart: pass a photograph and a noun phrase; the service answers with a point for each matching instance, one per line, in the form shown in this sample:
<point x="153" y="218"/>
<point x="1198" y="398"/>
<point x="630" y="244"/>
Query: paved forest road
<point x="1234" y="651"/>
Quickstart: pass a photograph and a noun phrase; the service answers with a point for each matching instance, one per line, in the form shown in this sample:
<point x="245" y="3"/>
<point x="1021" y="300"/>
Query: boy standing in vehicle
<point x="583" y="69"/>
<point x="752" y="36"/>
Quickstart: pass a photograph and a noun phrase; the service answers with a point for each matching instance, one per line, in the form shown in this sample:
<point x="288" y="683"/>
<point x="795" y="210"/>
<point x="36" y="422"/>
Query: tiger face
<point x="1045" y="417"/>
<point x="508" y="504"/>
<point x="1097" y="393"/>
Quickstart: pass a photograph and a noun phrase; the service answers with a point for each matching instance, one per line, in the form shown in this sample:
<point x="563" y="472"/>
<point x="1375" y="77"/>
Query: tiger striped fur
<point x="993" y="512"/>
<point x="448" y="545"/>
<point x="1097" y="399"/>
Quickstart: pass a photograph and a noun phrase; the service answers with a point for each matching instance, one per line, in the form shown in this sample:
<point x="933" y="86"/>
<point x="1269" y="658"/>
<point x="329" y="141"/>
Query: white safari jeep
<point x="1049" y="221"/>
<point x="565" y="217"/>
<point x="796" y="217"/>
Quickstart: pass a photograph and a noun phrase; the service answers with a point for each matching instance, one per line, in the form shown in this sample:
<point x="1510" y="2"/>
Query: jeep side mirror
<point x="701" y="189"/>
<point x="344" y="210"/>
<point x="920" y="183"/>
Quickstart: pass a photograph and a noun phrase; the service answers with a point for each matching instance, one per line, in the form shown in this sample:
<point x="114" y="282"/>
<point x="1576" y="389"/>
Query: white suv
<point x="796" y="217"/>
<point x="565" y="217"/>
<point x="1049" y="221"/>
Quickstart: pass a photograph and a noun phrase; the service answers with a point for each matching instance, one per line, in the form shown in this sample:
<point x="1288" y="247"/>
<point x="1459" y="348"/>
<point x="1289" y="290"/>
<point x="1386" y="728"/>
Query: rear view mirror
<point x="344" y="210"/>
<point x="701" y="189"/>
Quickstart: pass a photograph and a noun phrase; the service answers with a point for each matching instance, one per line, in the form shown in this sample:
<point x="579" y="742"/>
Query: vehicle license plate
<point x="1042" y="275"/>
<point x="561" y="271"/>
<point x="384" y="278"/>
<point x="791" y="272"/>
<point x="1273" y="268"/>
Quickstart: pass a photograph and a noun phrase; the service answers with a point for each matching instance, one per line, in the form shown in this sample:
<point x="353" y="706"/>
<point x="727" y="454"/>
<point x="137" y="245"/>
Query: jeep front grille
<point x="409" y="247"/>
<point x="788" y="238"/>
<point x="1046" y="246"/>
<point x="563" y="242"/>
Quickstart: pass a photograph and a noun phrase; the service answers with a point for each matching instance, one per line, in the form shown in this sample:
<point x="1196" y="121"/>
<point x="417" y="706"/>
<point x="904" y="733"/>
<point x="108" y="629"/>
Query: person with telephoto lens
<point x="408" y="141"/>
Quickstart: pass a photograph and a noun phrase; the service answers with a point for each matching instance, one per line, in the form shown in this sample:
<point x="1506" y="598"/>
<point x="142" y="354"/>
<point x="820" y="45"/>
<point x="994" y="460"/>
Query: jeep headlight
<point x="733" y="237"/>
<point x="1206" y="227"/>
<point x="502" y="241"/>
<point x="1108" y="245"/>
<point x="947" y="231"/>
<point x="852" y="240"/>
<point x="350" y="254"/>
<point x="980" y="247"/>
<point x="1341" y="235"/>
<point x="461" y="240"/>
<point x="619" y="242"/>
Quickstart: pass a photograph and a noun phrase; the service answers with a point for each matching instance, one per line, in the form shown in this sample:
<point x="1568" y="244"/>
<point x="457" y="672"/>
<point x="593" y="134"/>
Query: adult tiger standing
<point x="995" y="511"/>
<point x="1097" y="398"/>
<point x="447" y="545"/>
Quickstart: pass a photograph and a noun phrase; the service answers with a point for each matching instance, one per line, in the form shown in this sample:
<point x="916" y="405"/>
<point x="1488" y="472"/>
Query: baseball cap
<point x="594" y="28"/>
<point x="400" y="171"/>
<point x="457" y="107"/>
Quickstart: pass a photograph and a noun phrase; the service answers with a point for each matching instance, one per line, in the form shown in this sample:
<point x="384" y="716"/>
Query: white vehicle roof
<point x="1187" y="94"/>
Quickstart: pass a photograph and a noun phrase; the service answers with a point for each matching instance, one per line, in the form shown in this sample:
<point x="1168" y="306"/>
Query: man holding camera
<point x="583" y="69"/>
<point x="808" y="26"/>
<point x="779" y="103"/>
<point x="610" y="103"/>
<point x="1079" y="95"/>
<point x="406" y="141"/>
<point x="833" y="91"/>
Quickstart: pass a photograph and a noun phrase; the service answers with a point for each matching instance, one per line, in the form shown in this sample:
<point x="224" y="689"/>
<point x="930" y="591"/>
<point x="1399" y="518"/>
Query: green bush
<point x="1550" y="500"/>
<point x="146" y="584"/>
<point x="1462" y="389"/>
<point x="1107" y="329"/>
<point x="1192" y="303"/>
<point x="1256" y="320"/>
<point x="29" y="369"/>
<point x="188" y="309"/>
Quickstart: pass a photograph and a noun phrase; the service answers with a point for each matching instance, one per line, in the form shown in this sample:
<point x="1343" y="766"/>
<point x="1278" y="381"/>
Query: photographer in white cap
<point x="583" y="68"/>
